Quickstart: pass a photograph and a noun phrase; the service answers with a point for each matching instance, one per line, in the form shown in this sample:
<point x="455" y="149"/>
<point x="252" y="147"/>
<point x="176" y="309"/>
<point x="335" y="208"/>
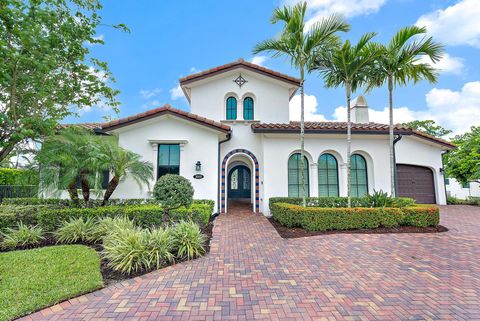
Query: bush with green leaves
<point x="24" y="236"/>
<point x="75" y="230"/>
<point x="104" y="226"/>
<point x="159" y="247"/>
<point x="198" y="213"/>
<point x="379" y="199"/>
<point x="188" y="240"/>
<point x="11" y="215"/>
<point x="337" y="218"/>
<point x="126" y="250"/>
<point x="173" y="191"/>
<point x="343" y="201"/>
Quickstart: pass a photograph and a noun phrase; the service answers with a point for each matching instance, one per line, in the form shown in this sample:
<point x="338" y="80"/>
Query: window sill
<point x="239" y="121"/>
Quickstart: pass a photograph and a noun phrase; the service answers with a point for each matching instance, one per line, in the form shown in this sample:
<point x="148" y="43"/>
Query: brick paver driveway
<point x="252" y="273"/>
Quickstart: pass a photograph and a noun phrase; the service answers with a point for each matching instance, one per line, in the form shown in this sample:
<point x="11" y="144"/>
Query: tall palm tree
<point x="399" y="64"/>
<point x="348" y="65"/>
<point x="299" y="45"/>
<point x="122" y="163"/>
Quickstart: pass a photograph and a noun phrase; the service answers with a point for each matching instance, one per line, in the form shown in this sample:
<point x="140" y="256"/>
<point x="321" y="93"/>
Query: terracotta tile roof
<point x="238" y="64"/>
<point x="341" y="127"/>
<point x="166" y="109"/>
<point x="83" y="125"/>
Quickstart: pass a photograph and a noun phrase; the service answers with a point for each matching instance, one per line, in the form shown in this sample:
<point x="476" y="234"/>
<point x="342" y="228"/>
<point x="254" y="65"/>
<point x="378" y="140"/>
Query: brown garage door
<point x="416" y="182"/>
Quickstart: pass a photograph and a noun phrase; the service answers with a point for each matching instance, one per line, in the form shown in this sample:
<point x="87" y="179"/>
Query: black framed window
<point x="358" y="176"/>
<point x="327" y="176"/>
<point x="294" y="176"/>
<point x="168" y="159"/>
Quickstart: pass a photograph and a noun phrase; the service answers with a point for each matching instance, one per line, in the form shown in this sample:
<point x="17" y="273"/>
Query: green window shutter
<point x="327" y="175"/>
<point x="358" y="176"/>
<point x="231" y="108"/>
<point x="294" y="177"/>
<point x="248" y="108"/>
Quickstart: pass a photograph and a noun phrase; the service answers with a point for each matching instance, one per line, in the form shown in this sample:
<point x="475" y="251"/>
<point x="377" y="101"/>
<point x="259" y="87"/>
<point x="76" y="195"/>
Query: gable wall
<point x="271" y="97"/>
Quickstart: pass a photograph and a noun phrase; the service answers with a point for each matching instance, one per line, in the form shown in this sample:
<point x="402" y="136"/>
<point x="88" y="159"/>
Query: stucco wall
<point x="271" y="97"/>
<point x="200" y="144"/>
<point x="455" y="189"/>
<point x="414" y="151"/>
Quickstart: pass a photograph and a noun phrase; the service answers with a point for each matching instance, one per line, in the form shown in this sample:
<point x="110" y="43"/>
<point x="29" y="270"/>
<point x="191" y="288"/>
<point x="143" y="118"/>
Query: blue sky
<point x="170" y="39"/>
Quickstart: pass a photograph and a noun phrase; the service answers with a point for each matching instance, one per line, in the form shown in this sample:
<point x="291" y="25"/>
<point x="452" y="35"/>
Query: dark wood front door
<point x="239" y="182"/>
<point x="416" y="182"/>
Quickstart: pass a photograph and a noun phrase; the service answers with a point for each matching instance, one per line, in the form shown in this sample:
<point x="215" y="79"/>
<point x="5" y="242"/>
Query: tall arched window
<point x="231" y="108"/>
<point x="294" y="177"/>
<point x="248" y="108"/>
<point x="327" y="176"/>
<point x="358" y="176"/>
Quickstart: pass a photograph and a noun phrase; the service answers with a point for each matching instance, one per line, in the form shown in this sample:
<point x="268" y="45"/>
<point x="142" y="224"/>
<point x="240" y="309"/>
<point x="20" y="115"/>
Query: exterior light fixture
<point x="198" y="166"/>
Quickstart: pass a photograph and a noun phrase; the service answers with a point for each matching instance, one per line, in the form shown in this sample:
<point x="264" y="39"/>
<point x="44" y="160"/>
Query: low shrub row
<point x="325" y="219"/>
<point x="94" y="203"/>
<point x="367" y="201"/>
<point x="49" y="217"/>
<point x="469" y="201"/>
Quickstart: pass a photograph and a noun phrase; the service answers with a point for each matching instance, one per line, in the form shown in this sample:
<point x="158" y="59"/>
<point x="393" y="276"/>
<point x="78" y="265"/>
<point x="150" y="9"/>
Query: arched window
<point x="231" y="108"/>
<point x="248" y="108"/>
<point x="327" y="176"/>
<point x="294" y="177"/>
<point x="358" y="176"/>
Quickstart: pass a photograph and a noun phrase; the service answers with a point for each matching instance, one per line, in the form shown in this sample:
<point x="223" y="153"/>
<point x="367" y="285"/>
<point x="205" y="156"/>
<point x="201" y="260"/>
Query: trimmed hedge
<point x="325" y="219"/>
<point x="475" y="201"/>
<point x="14" y="176"/>
<point x="95" y="203"/>
<point x="338" y="202"/>
<point x="11" y="215"/>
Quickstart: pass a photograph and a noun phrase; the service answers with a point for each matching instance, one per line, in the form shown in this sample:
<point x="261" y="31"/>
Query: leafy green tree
<point x="348" y="65"/>
<point x="428" y="127"/>
<point x="463" y="163"/>
<point x="299" y="45"/>
<point x="398" y="65"/>
<point x="122" y="163"/>
<point x="173" y="191"/>
<point x="46" y="69"/>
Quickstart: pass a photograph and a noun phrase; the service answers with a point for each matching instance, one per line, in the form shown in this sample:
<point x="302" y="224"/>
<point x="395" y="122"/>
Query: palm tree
<point x="299" y="45"/>
<point x="347" y="65"/>
<point x="122" y="164"/>
<point x="66" y="158"/>
<point x="399" y="64"/>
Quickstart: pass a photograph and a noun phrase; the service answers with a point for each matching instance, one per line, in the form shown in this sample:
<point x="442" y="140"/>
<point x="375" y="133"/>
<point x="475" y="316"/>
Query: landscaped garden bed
<point x="371" y="214"/>
<point x="127" y="237"/>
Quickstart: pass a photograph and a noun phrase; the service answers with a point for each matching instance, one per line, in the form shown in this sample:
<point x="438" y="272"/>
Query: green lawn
<point x="32" y="279"/>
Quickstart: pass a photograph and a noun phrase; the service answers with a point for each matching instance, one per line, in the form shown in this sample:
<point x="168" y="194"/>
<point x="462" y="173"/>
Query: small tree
<point x="463" y="163"/>
<point x="173" y="191"/>
<point x="428" y="127"/>
<point x="122" y="163"/>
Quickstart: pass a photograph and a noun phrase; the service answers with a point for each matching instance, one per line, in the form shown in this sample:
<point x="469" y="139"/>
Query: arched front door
<point x="239" y="182"/>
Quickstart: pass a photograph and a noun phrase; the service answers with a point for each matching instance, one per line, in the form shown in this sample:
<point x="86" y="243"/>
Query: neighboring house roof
<point x="341" y="128"/>
<point x="165" y="110"/>
<point x="240" y="63"/>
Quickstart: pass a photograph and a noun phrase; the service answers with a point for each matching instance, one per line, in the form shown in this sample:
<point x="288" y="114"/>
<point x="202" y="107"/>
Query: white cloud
<point x="176" y="92"/>
<point x="152" y="104"/>
<point x="310" y="108"/>
<point x="259" y="60"/>
<point x="448" y="64"/>
<point x="318" y="9"/>
<point x="455" y="25"/>
<point x="400" y="115"/>
<point x="194" y="70"/>
<point x="149" y="93"/>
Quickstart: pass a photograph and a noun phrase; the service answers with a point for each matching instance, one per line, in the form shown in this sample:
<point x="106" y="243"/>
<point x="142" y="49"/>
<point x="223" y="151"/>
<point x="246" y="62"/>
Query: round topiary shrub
<point x="173" y="191"/>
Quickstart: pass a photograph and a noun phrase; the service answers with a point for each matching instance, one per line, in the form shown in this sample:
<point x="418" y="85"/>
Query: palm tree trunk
<point x="72" y="191"/>
<point x="349" y="142"/>
<point x="85" y="187"/>
<point x="302" y="138"/>
<point x="392" y="161"/>
<point x="112" y="185"/>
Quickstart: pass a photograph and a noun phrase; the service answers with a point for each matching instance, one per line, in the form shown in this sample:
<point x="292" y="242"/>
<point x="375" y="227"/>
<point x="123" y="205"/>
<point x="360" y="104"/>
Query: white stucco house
<point x="462" y="191"/>
<point x="237" y="142"/>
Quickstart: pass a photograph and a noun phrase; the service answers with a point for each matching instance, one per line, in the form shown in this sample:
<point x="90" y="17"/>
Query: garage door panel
<point x="416" y="182"/>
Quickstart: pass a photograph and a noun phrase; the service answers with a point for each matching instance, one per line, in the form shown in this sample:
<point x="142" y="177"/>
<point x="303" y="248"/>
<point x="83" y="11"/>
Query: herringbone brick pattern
<point x="252" y="273"/>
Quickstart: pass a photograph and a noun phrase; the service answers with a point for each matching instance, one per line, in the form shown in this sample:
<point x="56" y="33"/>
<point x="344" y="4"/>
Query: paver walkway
<point x="252" y="273"/>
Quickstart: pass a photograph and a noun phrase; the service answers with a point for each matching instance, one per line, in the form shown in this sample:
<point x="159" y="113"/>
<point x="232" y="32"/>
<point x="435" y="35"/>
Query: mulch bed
<point x="288" y="233"/>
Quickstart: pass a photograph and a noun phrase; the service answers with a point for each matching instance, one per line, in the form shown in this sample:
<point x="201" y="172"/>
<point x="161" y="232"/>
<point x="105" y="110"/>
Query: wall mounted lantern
<point x="198" y="166"/>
